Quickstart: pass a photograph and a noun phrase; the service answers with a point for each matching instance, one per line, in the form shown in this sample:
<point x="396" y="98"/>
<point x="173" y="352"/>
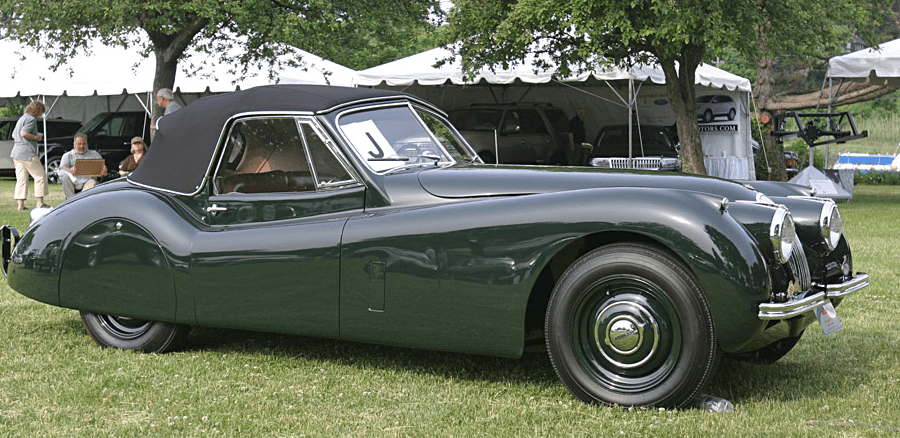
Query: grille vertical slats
<point x="800" y="267"/>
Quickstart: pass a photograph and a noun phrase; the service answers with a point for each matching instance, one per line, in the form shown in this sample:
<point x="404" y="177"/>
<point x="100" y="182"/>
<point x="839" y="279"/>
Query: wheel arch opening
<point x="540" y="293"/>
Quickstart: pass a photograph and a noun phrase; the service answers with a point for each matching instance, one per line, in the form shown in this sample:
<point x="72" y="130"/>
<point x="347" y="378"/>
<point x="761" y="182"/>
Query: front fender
<point x="458" y="276"/>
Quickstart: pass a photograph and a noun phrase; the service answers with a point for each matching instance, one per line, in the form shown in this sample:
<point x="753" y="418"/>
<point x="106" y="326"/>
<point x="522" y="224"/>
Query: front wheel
<point x="629" y="325"/>
<point x="132" y="333"/>
<point x="52" y="167"/>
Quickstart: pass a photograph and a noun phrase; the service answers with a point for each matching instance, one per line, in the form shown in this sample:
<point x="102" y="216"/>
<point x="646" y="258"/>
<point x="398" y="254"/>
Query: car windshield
<point x="391" y="138"/>
<point x="92" y="123"/>
<point x="649" y="142"/>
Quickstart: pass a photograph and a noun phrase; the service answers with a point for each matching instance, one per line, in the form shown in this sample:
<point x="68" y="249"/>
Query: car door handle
<point x="215" y="209"/>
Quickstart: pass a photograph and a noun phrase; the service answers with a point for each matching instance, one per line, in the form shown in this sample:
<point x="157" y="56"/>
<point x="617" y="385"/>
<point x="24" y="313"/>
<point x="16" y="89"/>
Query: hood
<point x="489" y="180"/>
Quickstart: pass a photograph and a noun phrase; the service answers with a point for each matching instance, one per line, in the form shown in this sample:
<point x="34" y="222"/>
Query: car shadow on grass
<point x="796" y="376"/>
<point x="531" y="368"/>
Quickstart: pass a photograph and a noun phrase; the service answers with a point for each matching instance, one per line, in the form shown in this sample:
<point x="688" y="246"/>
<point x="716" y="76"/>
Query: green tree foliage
<point x="676" y="34"/>
<point x="357" y="33"/>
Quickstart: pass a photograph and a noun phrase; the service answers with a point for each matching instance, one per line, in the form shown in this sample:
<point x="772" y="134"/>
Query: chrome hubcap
<point x="626" y="334"/>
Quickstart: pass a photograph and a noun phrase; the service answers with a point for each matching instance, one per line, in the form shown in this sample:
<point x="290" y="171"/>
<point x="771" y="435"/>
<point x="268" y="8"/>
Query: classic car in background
<point x="651" y="148"/>
<point x="715" y="105"/>
<point x="515" y="133"/>
<point x="363" y="215"/>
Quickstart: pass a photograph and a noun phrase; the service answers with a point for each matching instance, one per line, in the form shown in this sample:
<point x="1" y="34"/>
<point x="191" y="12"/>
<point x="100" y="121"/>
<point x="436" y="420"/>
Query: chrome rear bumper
<point x="790" y="309"/>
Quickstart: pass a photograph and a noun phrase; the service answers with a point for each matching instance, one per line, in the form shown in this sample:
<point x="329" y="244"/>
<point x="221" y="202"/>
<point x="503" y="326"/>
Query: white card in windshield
<point x="371" y="145"/>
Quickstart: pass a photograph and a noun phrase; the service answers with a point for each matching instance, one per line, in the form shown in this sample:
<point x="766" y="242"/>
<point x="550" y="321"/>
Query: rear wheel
<point x="628" y="325"/>
<point x="132" y="333"/>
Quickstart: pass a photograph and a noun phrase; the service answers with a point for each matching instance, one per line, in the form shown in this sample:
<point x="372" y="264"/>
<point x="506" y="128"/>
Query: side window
<point x="530" y="122"/>
<point x="264" y="155"/>
<point x="328" y="169"/>
<point x="5" y="127"/>
<point x="558" y="120"/>
<point x="114" y="126"/>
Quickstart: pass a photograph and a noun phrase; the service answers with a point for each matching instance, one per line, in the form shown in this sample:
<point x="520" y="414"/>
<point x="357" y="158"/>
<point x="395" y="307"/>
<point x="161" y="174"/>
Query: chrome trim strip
<point x="790" y="309"/>
<point x="858" y="282"/>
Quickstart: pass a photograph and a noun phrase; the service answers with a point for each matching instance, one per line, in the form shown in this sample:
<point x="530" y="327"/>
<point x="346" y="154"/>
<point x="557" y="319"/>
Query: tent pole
<point x="45" y="133"/>
<point x="630" y="119"/>
<point x="496" y="147"/>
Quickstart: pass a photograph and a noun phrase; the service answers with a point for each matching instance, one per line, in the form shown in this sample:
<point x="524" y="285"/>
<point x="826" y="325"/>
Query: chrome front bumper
<point x="790" y="309"/>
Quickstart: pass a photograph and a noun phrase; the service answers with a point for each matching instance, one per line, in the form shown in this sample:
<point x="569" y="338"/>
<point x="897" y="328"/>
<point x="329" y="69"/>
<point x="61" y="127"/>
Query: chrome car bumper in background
<point x="790" y="309"/>
<point x="9" y="236"/>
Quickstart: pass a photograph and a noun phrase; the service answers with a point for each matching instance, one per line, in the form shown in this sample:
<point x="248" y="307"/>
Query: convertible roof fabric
<point x="186" y="140"/>
<point x="881" y="63"/>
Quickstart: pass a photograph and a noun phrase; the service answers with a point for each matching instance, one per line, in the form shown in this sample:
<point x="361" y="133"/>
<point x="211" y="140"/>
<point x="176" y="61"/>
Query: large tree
<point x="789" y="70"/>
<point x="341" y="30"/>
<point x="676" y="34"/>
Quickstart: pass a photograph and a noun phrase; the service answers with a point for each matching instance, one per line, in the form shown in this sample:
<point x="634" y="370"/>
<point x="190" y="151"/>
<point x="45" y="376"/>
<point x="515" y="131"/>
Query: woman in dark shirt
<point x="138" y="149"/>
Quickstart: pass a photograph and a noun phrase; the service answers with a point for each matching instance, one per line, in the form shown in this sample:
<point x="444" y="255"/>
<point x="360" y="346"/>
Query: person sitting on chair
<point x="138" y="149"/>
<point x="71" y="183"/>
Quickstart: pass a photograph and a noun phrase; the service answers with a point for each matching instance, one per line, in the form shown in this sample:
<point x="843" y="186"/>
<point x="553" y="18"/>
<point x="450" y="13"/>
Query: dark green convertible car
<point x="363" y="215"/>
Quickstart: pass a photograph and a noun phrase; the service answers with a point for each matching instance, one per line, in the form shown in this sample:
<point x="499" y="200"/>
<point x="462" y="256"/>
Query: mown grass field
<point x="54" y="382"/>
<point x="884" y="136"/>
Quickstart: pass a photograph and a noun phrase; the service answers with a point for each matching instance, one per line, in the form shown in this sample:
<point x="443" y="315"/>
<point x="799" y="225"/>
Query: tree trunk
<point x="167" y="49"/>
<point x="680" y="91"/>
<point x="771" y="154"/>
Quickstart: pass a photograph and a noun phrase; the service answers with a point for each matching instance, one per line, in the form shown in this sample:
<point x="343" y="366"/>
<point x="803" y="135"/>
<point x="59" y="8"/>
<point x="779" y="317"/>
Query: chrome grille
<point x="635" y="163"/>
<point x="800" y="267"/>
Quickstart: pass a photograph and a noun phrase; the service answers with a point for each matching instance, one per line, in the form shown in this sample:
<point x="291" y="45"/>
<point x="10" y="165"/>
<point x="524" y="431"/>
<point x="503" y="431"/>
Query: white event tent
<point x="609" y="95"/>
<point x="877" y="63"/>
<point x="111" y="78"/>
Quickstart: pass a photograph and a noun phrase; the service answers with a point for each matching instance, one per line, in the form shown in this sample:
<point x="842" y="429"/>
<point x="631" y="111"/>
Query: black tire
<point x="708" y="116"/>
<point x="52" y="167"/>
<point x="664" y="350"/>
<point x="770" y="353"/>
<point x="133" y="334"/>
<point x="731" y="114"/>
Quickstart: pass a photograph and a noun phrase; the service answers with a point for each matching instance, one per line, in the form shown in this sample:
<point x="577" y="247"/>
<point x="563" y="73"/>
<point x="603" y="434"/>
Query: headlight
<point x="782" y="234"/>
<point x="831" y="224"/>
<point x="601" y="162"/>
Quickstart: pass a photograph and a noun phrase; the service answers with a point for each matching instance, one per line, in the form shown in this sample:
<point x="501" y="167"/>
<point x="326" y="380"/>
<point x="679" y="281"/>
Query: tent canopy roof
<point x="111" y="70"/>
<point x="420" y="69"/>
<point x="881" y="63"/>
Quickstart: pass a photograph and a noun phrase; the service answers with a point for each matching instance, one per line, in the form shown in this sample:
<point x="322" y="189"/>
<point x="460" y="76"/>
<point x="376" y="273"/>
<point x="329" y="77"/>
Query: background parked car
<point x="791" y="159"/>
<point x="714" y="105"/>
<point x="791" y="163"/>
<point x="55" y="128"/>
<point x="653" y="148"/>
<point x="109" y="133"/>
<point x="526" y="133"/>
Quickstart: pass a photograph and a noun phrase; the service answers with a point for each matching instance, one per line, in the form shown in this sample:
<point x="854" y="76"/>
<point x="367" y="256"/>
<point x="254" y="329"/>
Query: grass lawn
<point x="54" y="382"/>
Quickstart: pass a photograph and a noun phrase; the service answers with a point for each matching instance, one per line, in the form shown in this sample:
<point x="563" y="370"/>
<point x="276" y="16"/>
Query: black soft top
<point x="186" y="140"/>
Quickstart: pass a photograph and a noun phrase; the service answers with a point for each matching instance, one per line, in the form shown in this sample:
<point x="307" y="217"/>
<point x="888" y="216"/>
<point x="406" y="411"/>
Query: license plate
<point x="828" y="319"/>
